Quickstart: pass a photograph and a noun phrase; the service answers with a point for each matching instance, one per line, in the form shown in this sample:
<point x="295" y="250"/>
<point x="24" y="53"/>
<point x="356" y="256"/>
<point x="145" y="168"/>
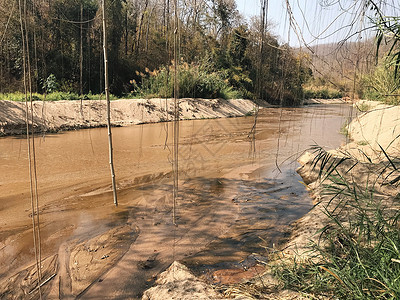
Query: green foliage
<point x="213" y="37"/>
<point x="54" y="96"/>
<point x="381" y="85"/>
<point x="387" y="88"/>
<point x="282" y="75"/>
<point x="239" y="70"/>
<point x="360" y="258"/>
<point x="13" y="96"/>
<point x="388" y="29"/>
<point x="50" y="84"/>
<point x="344" y="128"/>
<point x="194" y="81"/>
<point x="321" y="92"/>
<point x="363" y="106"/>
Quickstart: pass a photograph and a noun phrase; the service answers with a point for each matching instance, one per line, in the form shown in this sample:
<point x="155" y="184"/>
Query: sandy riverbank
<point x="357" y="181"/>
<point x="66" y="115"/>
<point x="365" y="164"/>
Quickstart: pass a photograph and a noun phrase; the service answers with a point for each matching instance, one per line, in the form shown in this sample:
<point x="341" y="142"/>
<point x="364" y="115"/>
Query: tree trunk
<point x="126" y="32"/>
<point x="139" y="34"/>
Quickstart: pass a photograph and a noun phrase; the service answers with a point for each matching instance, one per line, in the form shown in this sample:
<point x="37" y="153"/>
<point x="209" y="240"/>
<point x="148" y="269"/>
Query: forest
<point x="219" y="51"/>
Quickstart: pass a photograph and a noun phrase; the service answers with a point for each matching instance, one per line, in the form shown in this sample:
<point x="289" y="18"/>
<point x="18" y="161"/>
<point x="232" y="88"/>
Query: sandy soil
<point x="177" y="282"/>
<point x="376" y="129"/>
<point x="67" y="115"/>
<point x="325" y="101"/>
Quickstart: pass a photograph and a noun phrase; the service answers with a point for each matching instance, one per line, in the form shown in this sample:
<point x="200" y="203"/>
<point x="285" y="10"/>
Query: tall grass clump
<point x="358" y="253"/>
<point x="194" y="81"/>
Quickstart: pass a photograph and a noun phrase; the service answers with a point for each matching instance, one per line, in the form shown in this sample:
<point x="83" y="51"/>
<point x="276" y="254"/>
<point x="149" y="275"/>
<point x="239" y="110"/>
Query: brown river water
<point x="238" y="195"/>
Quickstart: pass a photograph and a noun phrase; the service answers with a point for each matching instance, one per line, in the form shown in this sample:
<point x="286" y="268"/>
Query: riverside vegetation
<point x="221" y="54"/>
<point x="357" y="255"/>
<point x="219" y="51"/>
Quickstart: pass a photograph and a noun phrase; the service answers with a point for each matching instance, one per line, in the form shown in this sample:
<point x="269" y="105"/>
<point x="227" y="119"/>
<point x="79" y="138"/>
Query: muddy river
<point x="238" y="195"/>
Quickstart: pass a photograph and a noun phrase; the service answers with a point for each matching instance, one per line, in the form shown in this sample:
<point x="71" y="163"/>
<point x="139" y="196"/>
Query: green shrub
<point x="381" y="85"/>
<point x="194" y="82"/>
<point x="13" y="96"/>
<point x="322" y="92"/>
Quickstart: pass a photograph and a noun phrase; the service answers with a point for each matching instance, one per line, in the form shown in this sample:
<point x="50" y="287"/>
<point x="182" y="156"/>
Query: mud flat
<point x="66" y="115"/>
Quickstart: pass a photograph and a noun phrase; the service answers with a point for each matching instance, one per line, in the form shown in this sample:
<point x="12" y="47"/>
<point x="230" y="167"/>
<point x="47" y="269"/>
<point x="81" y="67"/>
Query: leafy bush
<point x="194" y="81"/>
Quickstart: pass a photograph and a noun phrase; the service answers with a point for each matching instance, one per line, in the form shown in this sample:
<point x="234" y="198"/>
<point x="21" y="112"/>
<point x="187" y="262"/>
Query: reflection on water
<point x="230" y="193"/>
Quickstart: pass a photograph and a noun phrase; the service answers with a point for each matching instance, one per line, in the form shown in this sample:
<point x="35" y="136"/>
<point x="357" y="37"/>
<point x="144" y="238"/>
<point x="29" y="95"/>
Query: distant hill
<point x="336" y="63"/>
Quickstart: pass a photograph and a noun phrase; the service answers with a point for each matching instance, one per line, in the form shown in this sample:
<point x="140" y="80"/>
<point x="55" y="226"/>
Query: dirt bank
<point x="376" y="129"/>
<point x="325" y="101"/>
<point x="67" y="115"/>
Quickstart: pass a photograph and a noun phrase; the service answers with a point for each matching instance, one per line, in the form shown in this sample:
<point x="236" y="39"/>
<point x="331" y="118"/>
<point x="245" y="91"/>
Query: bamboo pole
<point x="176" y="114"/>
<point x="110" y="147"/>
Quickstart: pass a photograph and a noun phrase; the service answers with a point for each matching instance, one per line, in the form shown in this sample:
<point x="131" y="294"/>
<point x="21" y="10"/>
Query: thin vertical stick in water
<point x="176" y="114"/>
<point x="110" y="147"/>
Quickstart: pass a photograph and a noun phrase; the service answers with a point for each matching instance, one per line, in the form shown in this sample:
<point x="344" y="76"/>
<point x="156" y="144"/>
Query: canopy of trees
<point x="65" y="39"/>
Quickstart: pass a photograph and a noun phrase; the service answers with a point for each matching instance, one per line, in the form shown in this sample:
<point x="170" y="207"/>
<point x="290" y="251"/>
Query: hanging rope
<point x="263" y="29"/>
<point x="168" y="53"/>
<point x="356" y="65"/>
<point x="33" y="144"/>
<point x="281" y="86"/>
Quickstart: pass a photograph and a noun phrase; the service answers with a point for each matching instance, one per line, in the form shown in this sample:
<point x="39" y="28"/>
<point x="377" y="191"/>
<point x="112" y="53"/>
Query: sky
<point x="317" y="24"/>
